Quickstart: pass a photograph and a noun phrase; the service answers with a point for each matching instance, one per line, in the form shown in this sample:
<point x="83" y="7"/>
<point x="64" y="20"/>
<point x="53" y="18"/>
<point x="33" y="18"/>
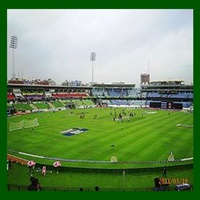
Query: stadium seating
<point x="69" y="95"/>
<point x="10" y="96"/>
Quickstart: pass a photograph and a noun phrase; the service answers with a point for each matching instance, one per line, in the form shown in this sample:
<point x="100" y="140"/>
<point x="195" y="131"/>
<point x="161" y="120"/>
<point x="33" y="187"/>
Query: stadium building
<point x="172" y="94"/>
<point x="168" y="94"/>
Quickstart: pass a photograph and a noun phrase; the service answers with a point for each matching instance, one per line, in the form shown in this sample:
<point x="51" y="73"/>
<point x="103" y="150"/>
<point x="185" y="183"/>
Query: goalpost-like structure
<point x="25" y="123"/>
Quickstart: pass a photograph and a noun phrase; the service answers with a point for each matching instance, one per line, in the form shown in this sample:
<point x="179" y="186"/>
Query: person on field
<point x="44" y="170"/>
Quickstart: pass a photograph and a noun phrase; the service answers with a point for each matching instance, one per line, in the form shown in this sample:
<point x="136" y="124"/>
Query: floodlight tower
<point x="13" y="45"/>
<point x="93" y="58"/>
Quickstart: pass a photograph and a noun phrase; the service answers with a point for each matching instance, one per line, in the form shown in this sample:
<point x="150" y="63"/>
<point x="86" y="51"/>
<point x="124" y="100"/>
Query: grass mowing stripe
<point x="95" y="144"/>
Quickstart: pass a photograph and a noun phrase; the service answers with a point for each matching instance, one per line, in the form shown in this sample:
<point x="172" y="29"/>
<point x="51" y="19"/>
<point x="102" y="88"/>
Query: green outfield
<point x="145" y="139"/>
<point x="72" y="181"/>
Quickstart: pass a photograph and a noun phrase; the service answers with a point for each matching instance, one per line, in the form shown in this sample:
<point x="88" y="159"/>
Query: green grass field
<point x="150" y="135"/>
<point x="106" y="181"/>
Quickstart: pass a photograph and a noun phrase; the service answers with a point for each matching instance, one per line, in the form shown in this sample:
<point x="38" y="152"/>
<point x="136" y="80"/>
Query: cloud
<point x="57" y="44"/>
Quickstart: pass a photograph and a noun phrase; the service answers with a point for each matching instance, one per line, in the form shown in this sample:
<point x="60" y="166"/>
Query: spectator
<point x="44" y="170"/>
<point x="97" y="188"/>
<point x="30" y="169"/>
<point x="35" y="184"/>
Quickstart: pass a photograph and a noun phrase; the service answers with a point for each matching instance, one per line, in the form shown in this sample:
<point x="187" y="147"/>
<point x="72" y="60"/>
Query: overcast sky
<point x="57" y="43"/>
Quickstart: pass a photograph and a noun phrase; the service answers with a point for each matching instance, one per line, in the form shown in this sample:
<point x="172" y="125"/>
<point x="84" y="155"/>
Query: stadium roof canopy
<point x="115" y="84"/>
<point x="28" y="86"/>
<point x="167" y="82"/>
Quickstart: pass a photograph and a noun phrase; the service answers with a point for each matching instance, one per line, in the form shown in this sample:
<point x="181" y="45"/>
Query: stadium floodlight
<point x="93" y="58"/>
<point x="13" y="45"/>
